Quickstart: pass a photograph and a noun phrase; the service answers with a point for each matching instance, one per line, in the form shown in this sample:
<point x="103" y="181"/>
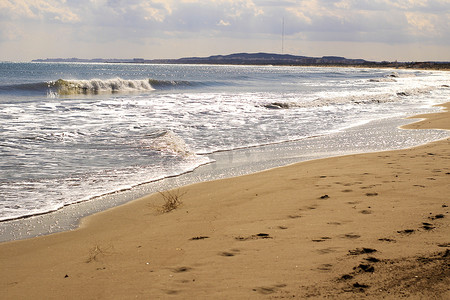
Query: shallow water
<point x="109" y="127"/>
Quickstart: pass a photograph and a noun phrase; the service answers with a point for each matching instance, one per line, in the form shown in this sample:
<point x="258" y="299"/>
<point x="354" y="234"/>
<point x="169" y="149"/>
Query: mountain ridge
<point x="262" y="58"/>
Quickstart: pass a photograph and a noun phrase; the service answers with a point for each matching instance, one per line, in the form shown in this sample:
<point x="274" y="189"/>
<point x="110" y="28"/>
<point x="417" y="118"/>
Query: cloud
<point x="223" y="23"/>
<point x="145" y="23"/>
<point x="38" y="10"/>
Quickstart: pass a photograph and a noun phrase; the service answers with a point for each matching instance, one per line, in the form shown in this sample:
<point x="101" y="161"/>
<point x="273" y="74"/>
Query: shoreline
<point x="362" y="138"/>
<point x="369" y="225"/>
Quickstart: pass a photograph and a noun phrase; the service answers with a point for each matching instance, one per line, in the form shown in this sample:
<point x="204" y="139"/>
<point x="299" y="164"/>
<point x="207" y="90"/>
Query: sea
<point x="70" y="132"/>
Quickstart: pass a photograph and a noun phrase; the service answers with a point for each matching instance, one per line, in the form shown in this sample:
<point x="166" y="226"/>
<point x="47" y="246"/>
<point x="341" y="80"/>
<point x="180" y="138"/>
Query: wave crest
<point x="95" y="86"/>
<point x="351" y="99"/>
<point x="168" y="142"/>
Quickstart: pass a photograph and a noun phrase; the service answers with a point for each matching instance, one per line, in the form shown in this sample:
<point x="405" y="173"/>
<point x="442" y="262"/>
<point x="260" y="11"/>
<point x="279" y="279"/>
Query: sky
<point x="403" y="30"/>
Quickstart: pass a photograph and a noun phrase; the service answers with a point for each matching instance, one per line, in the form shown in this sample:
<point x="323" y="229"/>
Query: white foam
<point x="113" y="85"/>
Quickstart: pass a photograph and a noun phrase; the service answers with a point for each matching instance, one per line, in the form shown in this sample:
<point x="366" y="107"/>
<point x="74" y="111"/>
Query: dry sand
<point x="360" y="226"/>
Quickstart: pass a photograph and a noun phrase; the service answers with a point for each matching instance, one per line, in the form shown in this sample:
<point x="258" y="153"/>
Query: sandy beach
<point x="359" y="226"/>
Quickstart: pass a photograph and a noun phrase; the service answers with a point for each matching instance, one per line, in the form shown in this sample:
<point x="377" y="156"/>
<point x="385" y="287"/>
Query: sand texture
<point x="359" y="226"/>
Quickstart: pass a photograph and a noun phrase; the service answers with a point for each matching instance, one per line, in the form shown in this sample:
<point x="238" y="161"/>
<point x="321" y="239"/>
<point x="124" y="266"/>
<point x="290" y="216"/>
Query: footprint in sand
<point x="372" y="259"/>
<point x="427" y="226"/>
<point x="294" y="216"/>
<point x="322" y="239"/>
<point x="334" y="223"/>
<point x="265" y="290"/>
<point x="351" y="236"/>
<point x="387" y="240"/>
<point x="181" y="269"/>
<point x="326" y="250"/>
<point x="438" y="216"/>
<point x="230" y="253"/>
<point x="325" y="267"/>
<point x="359" y="251"/>
<point x="254" y="237"/>
<point x="365" y="268"/>
<point x="371" y="194"/>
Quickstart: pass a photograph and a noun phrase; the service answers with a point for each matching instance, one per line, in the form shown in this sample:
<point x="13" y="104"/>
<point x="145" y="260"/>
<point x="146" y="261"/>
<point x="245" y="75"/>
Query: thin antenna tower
<point x="282" y="37"/>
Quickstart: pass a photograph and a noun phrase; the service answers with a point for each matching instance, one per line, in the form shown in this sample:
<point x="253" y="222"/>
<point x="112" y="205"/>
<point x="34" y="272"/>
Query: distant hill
<point x="263" y="59"/>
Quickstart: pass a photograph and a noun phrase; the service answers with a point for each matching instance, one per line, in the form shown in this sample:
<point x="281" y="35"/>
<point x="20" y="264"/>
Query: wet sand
<point x="357" y="226"/>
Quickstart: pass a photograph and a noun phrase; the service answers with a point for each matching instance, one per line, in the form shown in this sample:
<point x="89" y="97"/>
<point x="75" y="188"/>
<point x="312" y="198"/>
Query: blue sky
<point x="404" y="30"/>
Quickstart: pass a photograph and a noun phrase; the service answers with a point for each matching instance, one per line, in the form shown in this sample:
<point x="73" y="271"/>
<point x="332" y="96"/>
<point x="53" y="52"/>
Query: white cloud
<point x="140" y="23"/>
<point x="38" y="9"/>
<point x="223" y="23"/>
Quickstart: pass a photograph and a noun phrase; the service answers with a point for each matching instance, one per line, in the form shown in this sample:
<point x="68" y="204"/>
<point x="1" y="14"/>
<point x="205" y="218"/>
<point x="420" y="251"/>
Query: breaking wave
<point x="94" y="86"/>
<point x="168" y="142"/>
<point x="351" y="99"/>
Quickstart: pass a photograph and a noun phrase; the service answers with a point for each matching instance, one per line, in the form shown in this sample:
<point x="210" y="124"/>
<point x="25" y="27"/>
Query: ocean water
<point x="70" y="132"/>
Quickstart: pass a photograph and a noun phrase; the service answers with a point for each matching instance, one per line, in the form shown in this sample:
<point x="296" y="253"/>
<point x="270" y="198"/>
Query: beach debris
<point x="172" y="200"/>
<point x="382" y="80"/>
<point x="393" y="74"/>
<point x="324" y="197"/>
<point x="358" y="251"/>
<point x="277" y="105"/>
<point x="199" y="238"/>
<point x="67" y="276"/>
<point x="406" y="231"/>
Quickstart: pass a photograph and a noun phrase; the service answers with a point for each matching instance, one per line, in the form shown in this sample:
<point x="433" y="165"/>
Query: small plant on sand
<point x="94" y="253"/>
<point x="172" y="200"/>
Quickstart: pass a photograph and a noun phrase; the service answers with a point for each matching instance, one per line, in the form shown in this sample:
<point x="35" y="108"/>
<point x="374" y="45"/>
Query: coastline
<point x="363" y="138"/>
<point x="306" y="230"/>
